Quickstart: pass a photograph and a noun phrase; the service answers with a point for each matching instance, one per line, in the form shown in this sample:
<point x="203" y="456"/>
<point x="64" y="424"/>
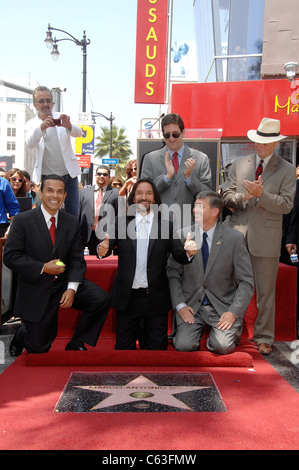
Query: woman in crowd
<point x="18" y="183"/>
<point x="116" y="182"/>
<point x="131" y="178"/>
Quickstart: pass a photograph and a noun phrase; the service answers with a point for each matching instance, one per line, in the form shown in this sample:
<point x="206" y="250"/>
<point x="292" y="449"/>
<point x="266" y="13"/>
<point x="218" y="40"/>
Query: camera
<point x="57" y="122"/>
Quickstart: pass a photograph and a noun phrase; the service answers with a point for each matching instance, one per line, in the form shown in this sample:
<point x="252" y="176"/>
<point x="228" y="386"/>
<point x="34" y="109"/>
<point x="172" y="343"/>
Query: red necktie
<point x="52" y="229"/>
<point x="259" y="169"/>
<point x="175" y="161"/>
<point x="98" y="205"/>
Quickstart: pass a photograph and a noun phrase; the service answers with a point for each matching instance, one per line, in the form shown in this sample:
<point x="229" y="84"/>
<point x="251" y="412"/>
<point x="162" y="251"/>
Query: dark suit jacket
<point x="86" y="211"/>
<point x="161" y="244"/>
<point x="29" y="247"/>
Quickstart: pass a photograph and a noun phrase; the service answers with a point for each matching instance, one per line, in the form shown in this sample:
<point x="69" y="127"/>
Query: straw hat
<point x="267" y="132"/>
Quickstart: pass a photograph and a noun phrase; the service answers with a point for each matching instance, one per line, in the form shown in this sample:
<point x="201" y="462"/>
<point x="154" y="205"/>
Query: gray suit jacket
<point x="260" y="220"/>
<point x="177" y="192"/>
<point x="227" y="281"/>
<point x="86" y="211"/>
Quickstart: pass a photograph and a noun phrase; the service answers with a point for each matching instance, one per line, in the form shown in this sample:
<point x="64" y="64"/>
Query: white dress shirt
<point x="47" y="216"/>
<point x="149" y="217"/>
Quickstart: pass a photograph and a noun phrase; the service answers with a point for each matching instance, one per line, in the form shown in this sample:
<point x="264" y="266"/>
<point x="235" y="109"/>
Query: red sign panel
<point x="236" y="107"/>
<point x="84" y="161"/>
<point x="151" y="44"/>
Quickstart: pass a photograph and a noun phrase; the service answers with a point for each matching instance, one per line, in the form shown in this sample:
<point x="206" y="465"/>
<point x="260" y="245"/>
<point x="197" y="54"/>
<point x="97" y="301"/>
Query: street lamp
<point x="291" y="69"/>
<point x="111" y="119"/>
<point x="50" y="42"/>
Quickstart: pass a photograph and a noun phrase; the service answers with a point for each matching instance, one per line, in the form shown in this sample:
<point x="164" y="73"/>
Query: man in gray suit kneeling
<point x="215" y="289"/>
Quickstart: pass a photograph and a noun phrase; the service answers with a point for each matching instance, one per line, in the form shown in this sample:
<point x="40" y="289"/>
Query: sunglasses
<point x="175" y="135"/>
<point x="20" y="180"/>
<point x="48" y="100"/>
<point x="117" y="184"/>
<point x="102" y="174"/>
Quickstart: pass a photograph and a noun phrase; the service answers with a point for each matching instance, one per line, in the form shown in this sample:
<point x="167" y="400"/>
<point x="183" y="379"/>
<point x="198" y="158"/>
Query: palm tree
<point x="121" y="147"/>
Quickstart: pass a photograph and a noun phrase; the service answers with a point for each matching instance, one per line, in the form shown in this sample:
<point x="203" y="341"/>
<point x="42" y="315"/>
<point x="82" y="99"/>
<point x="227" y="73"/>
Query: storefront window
<point x="245" y="37"/>
<point x="237" y="35"/>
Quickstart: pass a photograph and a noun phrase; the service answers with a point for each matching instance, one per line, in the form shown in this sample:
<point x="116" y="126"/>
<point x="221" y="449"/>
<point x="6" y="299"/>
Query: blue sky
<point x="111" y="28"/>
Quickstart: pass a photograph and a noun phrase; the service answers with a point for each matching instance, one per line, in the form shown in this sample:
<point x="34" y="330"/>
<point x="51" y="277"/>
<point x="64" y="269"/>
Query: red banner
<point x="151" y="45"/>
<point x="236" y="107"/>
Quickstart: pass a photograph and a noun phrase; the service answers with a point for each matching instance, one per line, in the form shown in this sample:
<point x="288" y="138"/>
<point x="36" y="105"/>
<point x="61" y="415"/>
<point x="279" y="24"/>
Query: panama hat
<point x="267" y="132"/>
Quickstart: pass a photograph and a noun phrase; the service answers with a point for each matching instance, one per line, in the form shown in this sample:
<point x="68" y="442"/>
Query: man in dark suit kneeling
<point x="140" y="291"/>
<point x="44" y="249"/>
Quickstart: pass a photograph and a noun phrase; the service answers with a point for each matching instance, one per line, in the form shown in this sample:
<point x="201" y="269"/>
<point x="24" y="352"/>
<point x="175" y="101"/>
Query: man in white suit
<point x="216" y="288"/>
<point x="50" y="135"/>
<point x="178" y="171"/>
<point x="260" y="188"/>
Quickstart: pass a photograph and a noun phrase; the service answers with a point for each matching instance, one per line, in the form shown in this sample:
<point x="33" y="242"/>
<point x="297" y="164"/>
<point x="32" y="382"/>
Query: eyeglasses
<point x="116" y="184"/>
<point x="102" y="174"/>
<point x="20" y="180"/>
<point x="48" y="100"/>
<point x="175" y="135"/>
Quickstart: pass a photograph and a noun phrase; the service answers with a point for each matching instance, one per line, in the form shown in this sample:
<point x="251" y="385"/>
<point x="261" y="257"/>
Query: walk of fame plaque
<point x="110" y="392"/>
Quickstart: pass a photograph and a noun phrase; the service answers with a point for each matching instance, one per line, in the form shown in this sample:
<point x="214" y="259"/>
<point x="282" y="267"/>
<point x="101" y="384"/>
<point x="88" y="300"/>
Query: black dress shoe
<point x="15" y="347"/>
<point x="75" y="347"/>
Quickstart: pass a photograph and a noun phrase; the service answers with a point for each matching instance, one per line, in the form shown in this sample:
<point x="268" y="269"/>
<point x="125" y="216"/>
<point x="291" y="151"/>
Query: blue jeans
<point x="71" y="203"/>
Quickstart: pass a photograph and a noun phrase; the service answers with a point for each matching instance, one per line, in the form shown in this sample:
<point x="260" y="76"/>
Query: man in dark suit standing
<point x="98" y="206"/>
<point x="178" y="171"/>
<point x="44" y="249"/>
<point x="140" y="291"/>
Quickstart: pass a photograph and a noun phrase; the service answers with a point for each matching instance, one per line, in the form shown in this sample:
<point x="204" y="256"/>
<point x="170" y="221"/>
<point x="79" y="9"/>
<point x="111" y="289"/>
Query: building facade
<point x="242" y="49"/>
<point x="13" y="117"/>
<point x="229" y="36"/>
<point x="15" y="111"/>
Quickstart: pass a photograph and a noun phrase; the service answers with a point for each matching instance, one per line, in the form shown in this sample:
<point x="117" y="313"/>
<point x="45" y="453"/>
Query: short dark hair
<point x="51" y="177"/>
<point x="215" y="199"/>
<point x="155" y="191"/>
<point x="104" y="167"/>
<point x="173" y="119"/>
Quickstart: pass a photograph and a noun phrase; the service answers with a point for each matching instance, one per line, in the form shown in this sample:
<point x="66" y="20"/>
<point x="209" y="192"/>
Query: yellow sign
<point x="85" y="144"/>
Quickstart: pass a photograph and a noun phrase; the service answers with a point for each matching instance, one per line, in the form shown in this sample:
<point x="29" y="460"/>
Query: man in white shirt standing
<point x="260" y="188"/>
<point x="50" y="135"/>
